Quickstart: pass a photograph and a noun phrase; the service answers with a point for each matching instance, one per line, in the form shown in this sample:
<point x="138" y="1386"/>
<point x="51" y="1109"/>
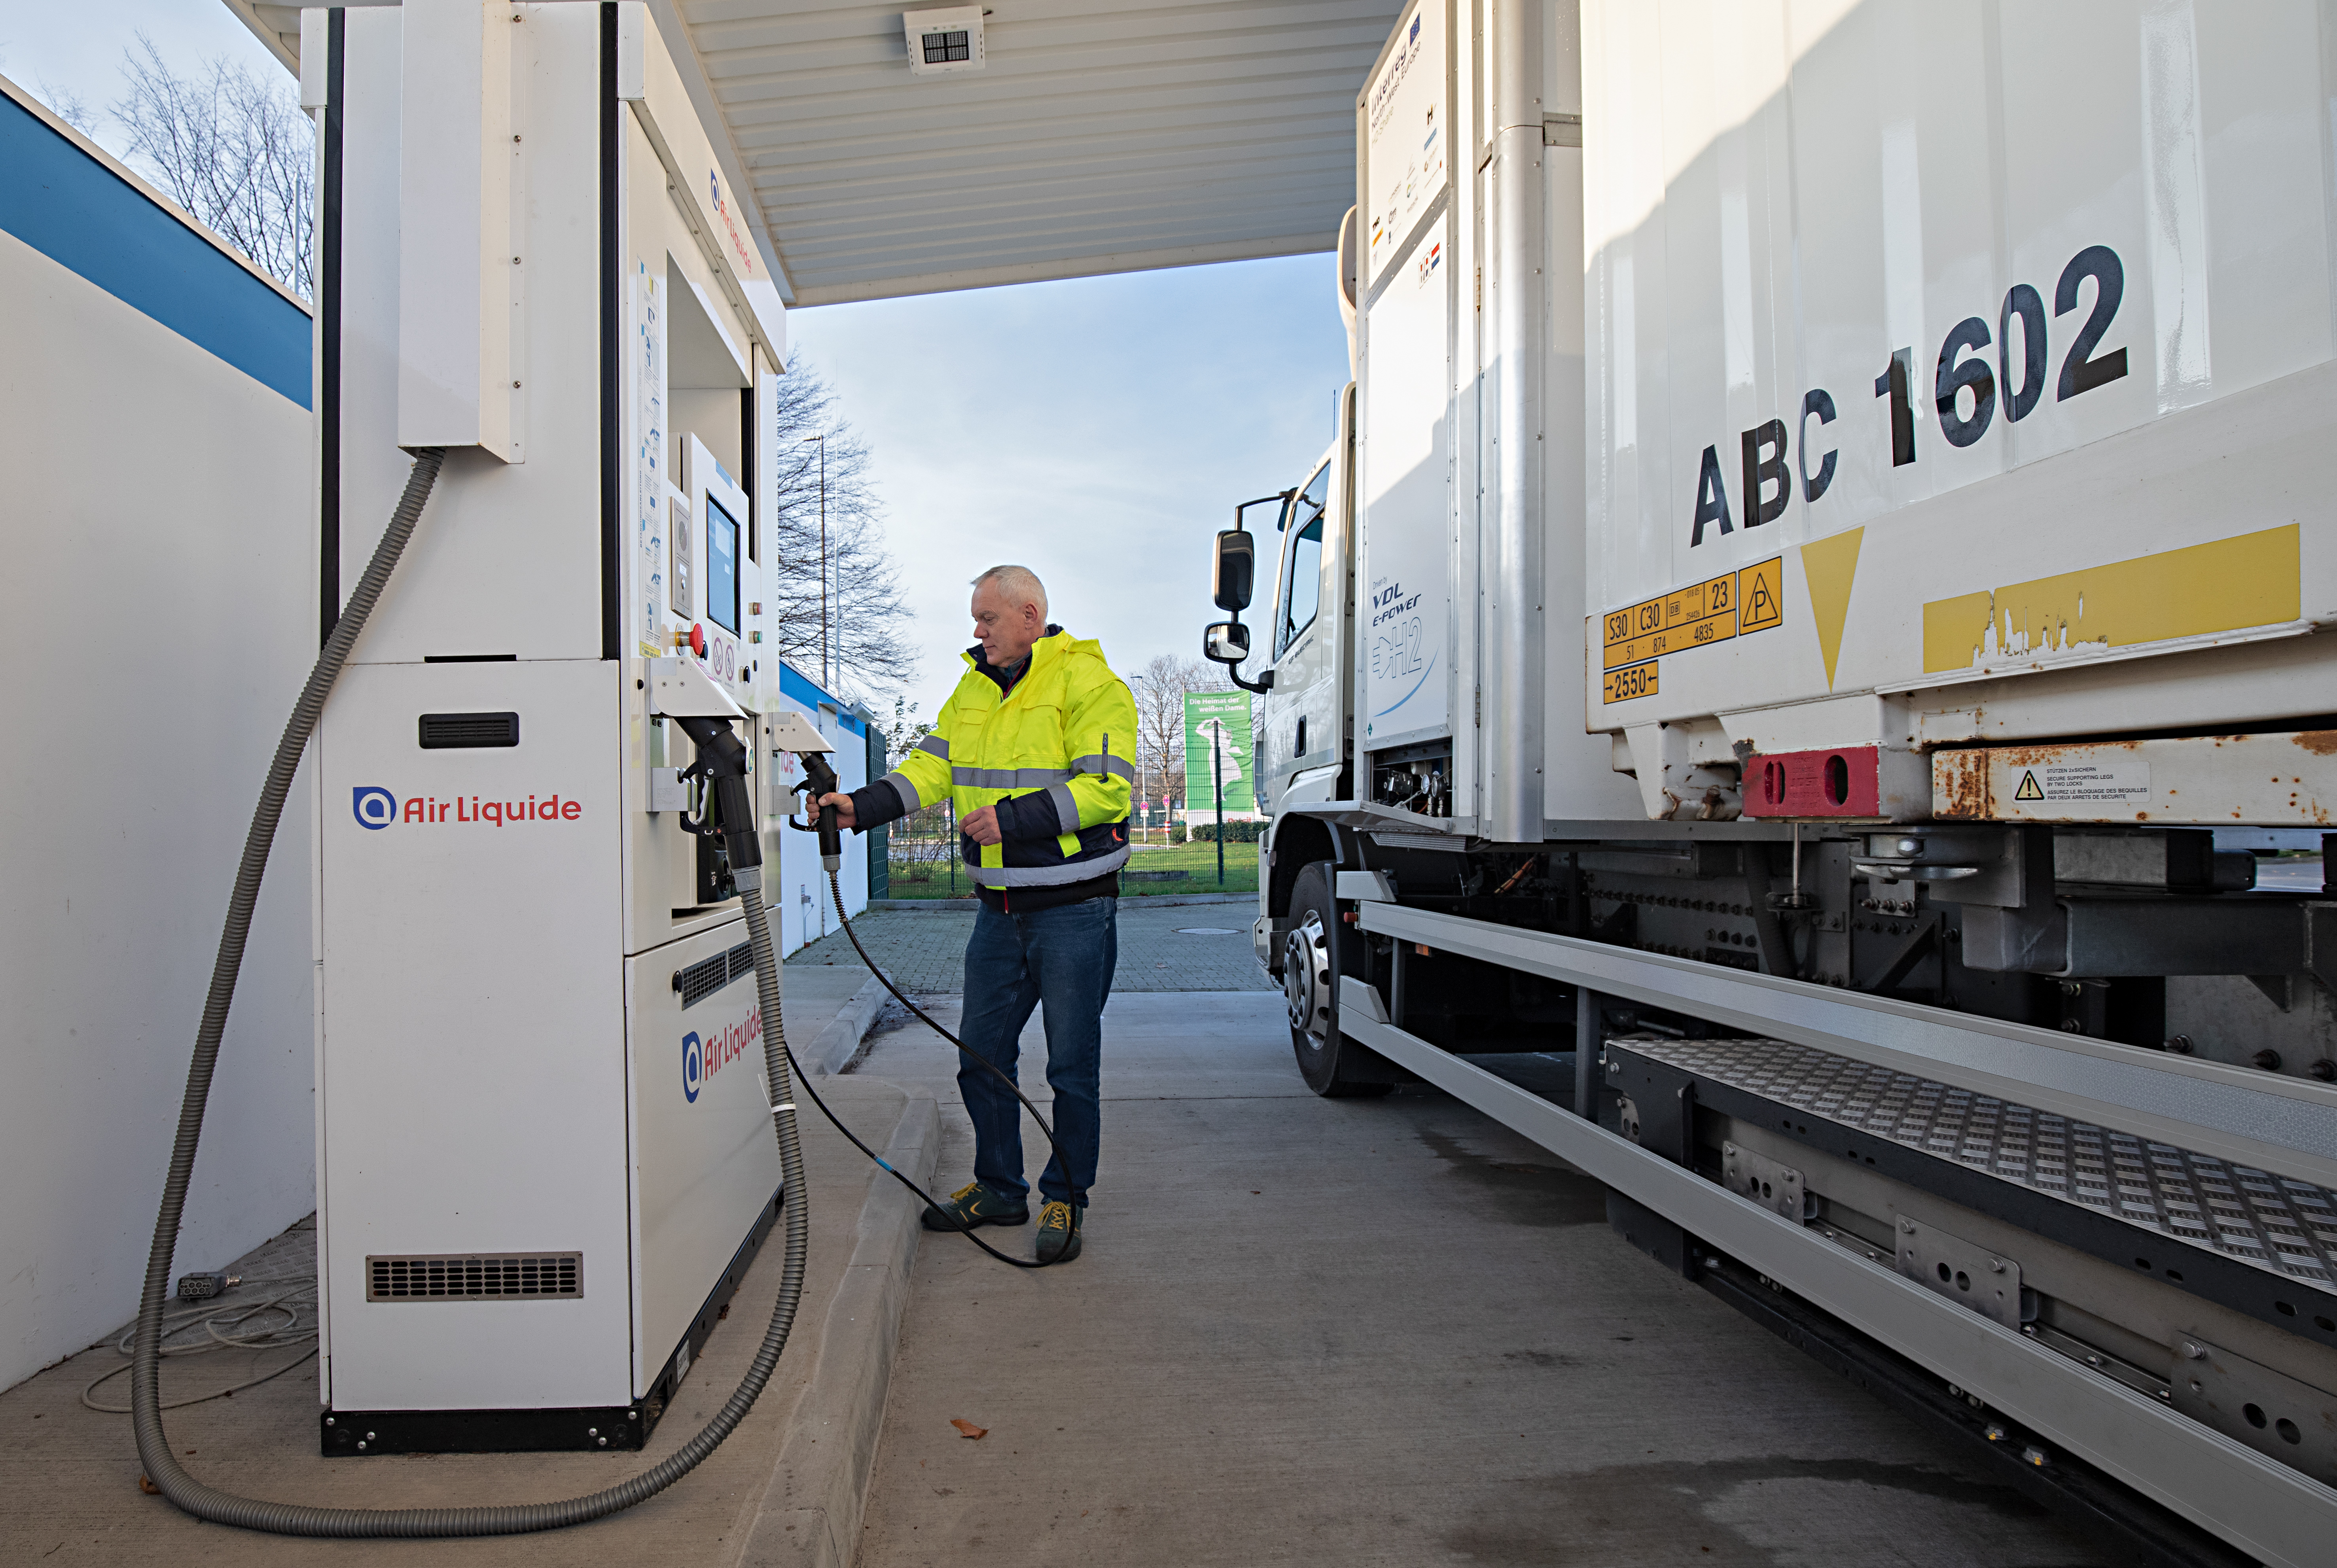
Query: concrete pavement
<point x="1366" y="1332"/>
<point x="784" y="1489"/>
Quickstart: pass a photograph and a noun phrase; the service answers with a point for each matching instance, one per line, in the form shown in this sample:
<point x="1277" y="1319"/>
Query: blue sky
<point x="1097" y="431"/>
<point x="76" y="47"/>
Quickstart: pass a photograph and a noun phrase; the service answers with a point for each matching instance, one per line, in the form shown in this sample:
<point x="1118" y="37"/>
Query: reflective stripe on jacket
<point x="1055" y="756"/>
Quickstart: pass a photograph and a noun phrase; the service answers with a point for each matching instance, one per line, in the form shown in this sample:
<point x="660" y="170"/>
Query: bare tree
<point x="827" y="531"/>
<point x="236" y="152"/>
<point x="66" y="105"/>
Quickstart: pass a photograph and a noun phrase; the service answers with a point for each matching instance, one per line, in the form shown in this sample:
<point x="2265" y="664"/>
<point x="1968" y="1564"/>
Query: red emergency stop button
<point x="698" y="639"/>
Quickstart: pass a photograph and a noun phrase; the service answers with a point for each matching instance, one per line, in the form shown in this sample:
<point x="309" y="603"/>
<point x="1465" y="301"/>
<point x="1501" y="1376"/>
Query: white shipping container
<point x="1931" y="346"/>
<point x="1869" y="379"/>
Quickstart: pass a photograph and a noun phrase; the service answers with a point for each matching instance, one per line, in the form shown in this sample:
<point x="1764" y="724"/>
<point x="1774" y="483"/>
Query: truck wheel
<point x="1333" y="1065"/>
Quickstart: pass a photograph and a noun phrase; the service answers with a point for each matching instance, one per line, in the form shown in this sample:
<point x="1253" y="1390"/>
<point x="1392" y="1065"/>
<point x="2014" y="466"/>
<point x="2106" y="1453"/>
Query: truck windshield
<point x="1302" y="560"/>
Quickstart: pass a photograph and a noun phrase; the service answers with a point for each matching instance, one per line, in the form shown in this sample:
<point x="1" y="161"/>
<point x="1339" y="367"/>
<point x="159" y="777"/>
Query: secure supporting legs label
<point x="2055" y="782"/>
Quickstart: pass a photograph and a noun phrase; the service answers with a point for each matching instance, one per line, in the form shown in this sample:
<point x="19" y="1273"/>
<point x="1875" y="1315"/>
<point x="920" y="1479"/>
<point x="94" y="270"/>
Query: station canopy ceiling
<point x="1098" y="136"/>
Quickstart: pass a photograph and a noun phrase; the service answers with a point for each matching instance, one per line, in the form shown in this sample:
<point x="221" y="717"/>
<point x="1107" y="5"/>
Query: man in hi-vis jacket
<point x="1037" y="747"/>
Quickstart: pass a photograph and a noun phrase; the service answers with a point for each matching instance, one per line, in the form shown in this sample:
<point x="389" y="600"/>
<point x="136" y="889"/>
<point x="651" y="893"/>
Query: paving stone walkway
<point x="1183" y="948"/>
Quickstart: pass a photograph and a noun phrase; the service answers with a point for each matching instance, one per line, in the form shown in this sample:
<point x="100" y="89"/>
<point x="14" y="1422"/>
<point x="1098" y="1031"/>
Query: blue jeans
<point x="1062" y="958"/>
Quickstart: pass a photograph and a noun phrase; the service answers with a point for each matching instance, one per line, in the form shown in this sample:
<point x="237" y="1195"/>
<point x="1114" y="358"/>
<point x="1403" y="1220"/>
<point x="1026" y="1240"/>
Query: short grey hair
<point x="1019" y="583"/>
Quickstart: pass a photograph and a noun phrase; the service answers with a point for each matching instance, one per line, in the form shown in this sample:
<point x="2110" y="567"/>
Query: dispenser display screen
<point x="721" y="568"/>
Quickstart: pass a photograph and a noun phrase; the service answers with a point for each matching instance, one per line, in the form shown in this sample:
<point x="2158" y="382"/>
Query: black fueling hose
<point x="836" y="891"/>
<point x="162" y="1468"/>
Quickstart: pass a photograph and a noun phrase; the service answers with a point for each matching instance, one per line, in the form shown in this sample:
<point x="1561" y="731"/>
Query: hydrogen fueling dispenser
<point x="544" y="1145"/>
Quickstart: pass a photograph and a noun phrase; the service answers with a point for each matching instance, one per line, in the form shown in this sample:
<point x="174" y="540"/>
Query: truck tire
<point x="1314" y="956"/>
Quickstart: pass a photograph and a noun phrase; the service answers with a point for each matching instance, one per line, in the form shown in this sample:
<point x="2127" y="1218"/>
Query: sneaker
<point x="1059" y="1232"/>
<point x="973" y="1205"/>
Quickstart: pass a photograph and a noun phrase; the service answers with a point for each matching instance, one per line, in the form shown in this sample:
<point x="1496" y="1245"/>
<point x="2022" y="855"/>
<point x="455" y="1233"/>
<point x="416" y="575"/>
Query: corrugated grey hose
<point x="294" y="1519"/>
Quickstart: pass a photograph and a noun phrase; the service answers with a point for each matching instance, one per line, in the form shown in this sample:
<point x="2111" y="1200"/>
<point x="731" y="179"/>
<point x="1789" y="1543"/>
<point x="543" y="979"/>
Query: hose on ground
<point x="835" y="890"/>
<point x="155" y="1451"/>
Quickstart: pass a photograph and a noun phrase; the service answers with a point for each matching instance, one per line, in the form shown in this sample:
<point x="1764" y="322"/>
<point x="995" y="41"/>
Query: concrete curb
<point x="840" y="1041"/>
<point x="1128" y="901"/>
<point x="810" y="1513"/>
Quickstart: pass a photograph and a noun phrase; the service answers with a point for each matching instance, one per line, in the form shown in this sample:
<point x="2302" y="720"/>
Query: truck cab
<point x="1303" y="663"/>
<point x="1308" y="630"/>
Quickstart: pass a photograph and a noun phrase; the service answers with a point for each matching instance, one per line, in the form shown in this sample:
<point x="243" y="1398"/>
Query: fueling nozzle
<point x="821" y="780"/>
<point x="730" y="811"/>
<point x="791" y="732"/>
<point x="682" y="692"/>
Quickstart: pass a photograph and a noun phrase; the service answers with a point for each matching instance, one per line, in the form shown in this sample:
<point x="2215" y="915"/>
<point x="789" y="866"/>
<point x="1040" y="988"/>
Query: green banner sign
<point x="1217" y="734"/>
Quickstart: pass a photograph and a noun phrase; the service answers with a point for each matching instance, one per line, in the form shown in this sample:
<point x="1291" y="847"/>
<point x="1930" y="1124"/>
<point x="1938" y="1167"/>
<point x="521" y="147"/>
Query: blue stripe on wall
<point x="794" y="684"/>
<point x="82" y="216"/>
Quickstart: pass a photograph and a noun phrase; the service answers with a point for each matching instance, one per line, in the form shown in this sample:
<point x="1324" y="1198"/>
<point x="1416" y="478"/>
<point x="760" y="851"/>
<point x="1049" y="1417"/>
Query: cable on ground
<point x="835" y="890"/>
<point x="225" y="1325"/>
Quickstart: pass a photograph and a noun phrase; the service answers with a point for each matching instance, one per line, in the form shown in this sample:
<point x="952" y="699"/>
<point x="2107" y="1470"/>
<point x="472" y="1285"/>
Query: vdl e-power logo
<point x="377" y="808"/>
<point x="702" y="1059"/>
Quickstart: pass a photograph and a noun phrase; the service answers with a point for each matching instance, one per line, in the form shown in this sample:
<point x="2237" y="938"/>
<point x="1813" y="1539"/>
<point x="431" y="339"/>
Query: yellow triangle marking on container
<point x="2029" y="790"/>
<point x="1828" y="566"/>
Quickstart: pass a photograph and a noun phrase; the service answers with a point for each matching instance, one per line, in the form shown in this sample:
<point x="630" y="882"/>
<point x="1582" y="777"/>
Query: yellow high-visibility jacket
<point x="1055" y="755"/>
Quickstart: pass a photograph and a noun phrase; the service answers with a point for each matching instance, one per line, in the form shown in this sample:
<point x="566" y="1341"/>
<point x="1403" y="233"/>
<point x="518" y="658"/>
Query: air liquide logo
<point x="702" y="1059"/>
<point x="377" y="808"/>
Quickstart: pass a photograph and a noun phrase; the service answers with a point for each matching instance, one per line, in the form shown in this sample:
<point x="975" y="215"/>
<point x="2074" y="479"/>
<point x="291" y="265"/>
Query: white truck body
<point x="1572" y="361"/>
<point x="1819" y="577"/>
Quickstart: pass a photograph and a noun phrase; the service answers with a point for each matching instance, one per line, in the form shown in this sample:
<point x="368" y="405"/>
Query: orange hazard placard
<point x="1623" y="685"/>
<point x="1760" y="596"/>
<point x="1714" y="611"/>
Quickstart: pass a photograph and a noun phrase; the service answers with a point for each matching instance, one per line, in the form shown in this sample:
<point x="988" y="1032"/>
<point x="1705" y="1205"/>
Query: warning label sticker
<point x="1761" y="597"/>
<point x="2081" y="784"/>
<point x="1734" y="604"/>
<point x="1623" y="685"/>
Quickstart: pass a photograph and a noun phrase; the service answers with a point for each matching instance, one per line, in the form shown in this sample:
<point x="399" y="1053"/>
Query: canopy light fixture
<point x="944" y="40"/>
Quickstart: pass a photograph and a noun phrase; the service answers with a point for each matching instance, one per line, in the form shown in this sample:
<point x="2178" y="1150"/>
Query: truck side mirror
<point x="1231" y="573"/>
<point x="1228" y="643"/>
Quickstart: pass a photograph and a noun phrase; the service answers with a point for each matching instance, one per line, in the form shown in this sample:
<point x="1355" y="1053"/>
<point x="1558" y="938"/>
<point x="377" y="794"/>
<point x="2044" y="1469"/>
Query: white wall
<point x="159" y="547"/>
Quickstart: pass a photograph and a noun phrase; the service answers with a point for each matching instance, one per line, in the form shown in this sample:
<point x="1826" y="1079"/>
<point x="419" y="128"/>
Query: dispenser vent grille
<point x="708" y="976"/>
<point x="522" y="1277"/>
<point x="463" y="731"/>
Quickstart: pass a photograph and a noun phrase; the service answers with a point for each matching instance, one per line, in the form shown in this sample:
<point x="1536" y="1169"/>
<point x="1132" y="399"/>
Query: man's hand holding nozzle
<point x="842" y="804"/>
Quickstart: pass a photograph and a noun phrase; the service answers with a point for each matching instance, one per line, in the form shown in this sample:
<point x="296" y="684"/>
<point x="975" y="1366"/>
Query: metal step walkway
<point x="2277" y="1225"/>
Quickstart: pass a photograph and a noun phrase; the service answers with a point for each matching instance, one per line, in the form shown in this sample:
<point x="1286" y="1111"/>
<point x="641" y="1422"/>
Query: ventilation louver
<point x="460" y="731"/>
<point x="708" y="976"/>
<point x="521" y="1276"/>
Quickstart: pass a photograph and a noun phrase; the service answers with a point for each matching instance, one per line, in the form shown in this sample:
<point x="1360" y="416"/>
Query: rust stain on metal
<point x="1960" y="784"/>
<point x="2025" y="756"/>
<point x="2318" y="742"/>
